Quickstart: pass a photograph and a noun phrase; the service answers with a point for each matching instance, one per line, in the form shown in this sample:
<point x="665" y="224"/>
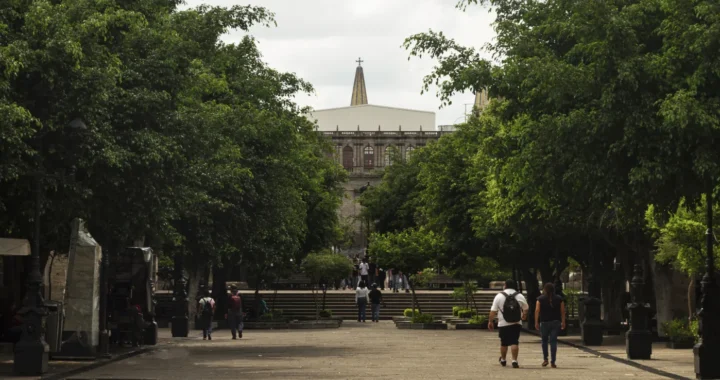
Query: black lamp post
<point x="31" y="351"/>
<point x="638" y="340"/>
<point x="707" y="352"/>
<point x="592" y="326"/>
<point x="180" y="299"/>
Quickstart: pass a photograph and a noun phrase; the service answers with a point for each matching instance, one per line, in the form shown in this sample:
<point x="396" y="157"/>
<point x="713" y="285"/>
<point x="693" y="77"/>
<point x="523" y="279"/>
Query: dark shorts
<point x="510" y="335"/>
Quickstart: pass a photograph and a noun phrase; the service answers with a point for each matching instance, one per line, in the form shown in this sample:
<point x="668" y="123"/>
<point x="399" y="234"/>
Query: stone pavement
<point x="677" y="362"/>
<point x="356" y="351"/>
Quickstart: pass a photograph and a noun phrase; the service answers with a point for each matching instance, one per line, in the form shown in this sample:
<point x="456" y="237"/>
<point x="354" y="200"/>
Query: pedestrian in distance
<point x="206" y="310"/>
<point x="361" y="300"/>
<point x="364" y="269"/>
<point x="375" y="301"/>
<point x="549" y="320"/>
<point x="234" y="314"/>
<point x="511" y="308"/>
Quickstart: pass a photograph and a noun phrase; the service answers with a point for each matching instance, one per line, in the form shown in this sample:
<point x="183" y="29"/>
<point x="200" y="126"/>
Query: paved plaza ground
<point x="361" y="351"/>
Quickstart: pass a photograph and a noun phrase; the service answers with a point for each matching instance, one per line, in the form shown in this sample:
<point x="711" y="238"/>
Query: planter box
<point x="681" y="344"/>
<point x="400" y="319"/>
<point x="265" y="325"/>
<point x="326" y="324"/>
<point x="421" y="326"/>
<point x="470" y="326"/>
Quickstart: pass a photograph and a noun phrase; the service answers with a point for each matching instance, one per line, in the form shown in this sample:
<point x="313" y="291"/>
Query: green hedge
<point x="326" y="313"/>
<point x="423" y="318"/>
<point x="456" y="309"/>
<point x="467" y="313"/>
<point x="409" y="312"/>
<point x="478" y="320"/>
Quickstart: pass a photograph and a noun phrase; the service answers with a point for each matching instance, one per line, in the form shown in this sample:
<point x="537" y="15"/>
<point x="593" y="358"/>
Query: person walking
<point x="361" y="300"/>
<point x="549" y="320"/>
<point x="511" y="308"/>
<point x="234" y="314"/>
<point x="372" y="271"/>
<point x="375" y="301"/>
<point x="206" y="310"/>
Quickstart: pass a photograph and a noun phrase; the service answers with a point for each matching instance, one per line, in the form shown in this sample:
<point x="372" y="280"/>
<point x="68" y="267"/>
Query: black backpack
<point x="207" y="308"/>
<point x="511" y="308"/>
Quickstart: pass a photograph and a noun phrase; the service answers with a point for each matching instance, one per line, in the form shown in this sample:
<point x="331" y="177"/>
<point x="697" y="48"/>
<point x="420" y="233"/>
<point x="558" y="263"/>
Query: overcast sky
<point x="320" y="40"/>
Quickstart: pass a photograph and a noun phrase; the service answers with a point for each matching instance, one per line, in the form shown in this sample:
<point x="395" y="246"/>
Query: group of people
<point x="363" y="296"/>
<point x="368" y="271"/>
<point x="511" y="308"/>
<point x="234" y="315"/>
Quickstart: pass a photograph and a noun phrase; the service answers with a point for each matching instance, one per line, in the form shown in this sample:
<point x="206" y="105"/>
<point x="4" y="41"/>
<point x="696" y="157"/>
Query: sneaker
<point x="234" y="338"/>
<point x="209" y="337"/>
<point x="240" y="334"/>
<point x="515" y="364"/>
<point x="502" y="362"/>
<point x="553" y="365"/>
<point x="204" y="338"/>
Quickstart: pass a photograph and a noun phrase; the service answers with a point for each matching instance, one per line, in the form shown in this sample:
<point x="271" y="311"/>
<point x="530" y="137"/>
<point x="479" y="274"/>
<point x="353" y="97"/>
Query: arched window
<point x="408" y="152"/>
<point x="369" y="157"/>
<point x="347" y="157"/>
<point x="388" y="155"/>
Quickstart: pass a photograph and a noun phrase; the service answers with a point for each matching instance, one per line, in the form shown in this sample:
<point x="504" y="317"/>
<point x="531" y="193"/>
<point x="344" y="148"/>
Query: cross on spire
<point x="359" y="61"/>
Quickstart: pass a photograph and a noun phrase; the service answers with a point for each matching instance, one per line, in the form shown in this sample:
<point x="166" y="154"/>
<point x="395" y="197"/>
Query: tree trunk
<point x="613" y="295"/>
<point x="691" y="298"/>
<point x="195" y="275"/>
<point x="219" y="292"/>
<point x="415" y="302"/>
<point x="533" y="291"/>
<point x="324" y="297"/>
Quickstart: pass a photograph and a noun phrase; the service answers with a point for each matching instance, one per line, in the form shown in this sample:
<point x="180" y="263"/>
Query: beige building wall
<point x="369" y="117"/>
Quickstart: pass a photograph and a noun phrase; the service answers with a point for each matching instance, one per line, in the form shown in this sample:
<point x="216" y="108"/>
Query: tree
<point x="409" y="251"/>
<point x="325" y="268"/>
<point x="680" y="240"/>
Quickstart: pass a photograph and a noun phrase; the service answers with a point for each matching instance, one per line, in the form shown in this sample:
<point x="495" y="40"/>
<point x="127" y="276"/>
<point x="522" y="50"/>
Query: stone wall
<point x="365" y="155"/>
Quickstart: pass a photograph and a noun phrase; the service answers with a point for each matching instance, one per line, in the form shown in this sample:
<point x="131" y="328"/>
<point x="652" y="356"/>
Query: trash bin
<point x="54" y="325"/>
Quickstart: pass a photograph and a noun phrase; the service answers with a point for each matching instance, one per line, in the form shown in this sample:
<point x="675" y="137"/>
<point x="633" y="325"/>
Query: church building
<point x="364" y="135"/>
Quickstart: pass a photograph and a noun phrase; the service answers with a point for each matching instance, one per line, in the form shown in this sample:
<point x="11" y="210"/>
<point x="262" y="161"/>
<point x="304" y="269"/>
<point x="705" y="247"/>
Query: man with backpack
<point x="206" y="310"/>
<point x="513" y="308"/>
<point x="235" y="313"/>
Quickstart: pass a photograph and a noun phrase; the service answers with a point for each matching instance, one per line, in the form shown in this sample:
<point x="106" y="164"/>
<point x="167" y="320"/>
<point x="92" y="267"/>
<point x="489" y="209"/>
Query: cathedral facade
<point x="364" y="137"/>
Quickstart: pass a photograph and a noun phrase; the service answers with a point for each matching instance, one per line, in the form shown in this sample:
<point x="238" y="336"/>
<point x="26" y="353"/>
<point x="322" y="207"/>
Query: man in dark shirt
<point x="373" y="271"/>
<point x="375" y="301"/>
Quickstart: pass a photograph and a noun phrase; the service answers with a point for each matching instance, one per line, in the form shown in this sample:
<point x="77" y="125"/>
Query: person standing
<point x="397" y="279"/>
<point x="549" y="320"/>
<point x="361" y="300"/>
<point x="235" y="313"/>
<point x="382" y="278"/>
<point x="512" y="307"/>
<point x="372" y="271"/>
<point x="375" y="301"/>
<point x="364" y="269"/>
<point x="206" y="310"/>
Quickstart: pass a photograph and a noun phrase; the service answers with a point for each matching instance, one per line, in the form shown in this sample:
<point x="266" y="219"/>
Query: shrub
<point x="456" y="309"/>
<point x="467" y="313"/>
<point x="423" y="318"/>
<point x="678" y="330"/>
<point x="327" y="313"/>
<point x="694" y="328"/>
<point x="409" y="312"/>
<point x="478" y="319"/>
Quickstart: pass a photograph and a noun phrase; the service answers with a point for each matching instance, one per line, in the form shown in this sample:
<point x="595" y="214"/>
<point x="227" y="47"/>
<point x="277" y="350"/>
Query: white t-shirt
<point x="499" y="301"/>
<point x="364" y="269"/>
<point x="361" y="293"/>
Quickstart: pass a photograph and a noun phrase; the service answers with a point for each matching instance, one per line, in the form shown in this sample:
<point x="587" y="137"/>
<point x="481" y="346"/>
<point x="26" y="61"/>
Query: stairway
<point x="342" y="303"/>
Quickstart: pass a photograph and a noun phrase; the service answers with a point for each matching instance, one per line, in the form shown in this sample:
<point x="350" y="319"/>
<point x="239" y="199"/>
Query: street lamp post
<point x="707" y="352"/>
<point x="31" y="351"/>
<point x="180" y="326"/>
<point x="638" y="340"/>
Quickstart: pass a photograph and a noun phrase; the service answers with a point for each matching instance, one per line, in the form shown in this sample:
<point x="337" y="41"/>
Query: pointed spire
<point x="481" y="100"/>
<point x="359" y="93"/>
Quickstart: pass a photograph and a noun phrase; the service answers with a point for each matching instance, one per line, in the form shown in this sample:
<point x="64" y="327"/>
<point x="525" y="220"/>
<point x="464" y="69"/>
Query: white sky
<point x="320" y="40"/>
